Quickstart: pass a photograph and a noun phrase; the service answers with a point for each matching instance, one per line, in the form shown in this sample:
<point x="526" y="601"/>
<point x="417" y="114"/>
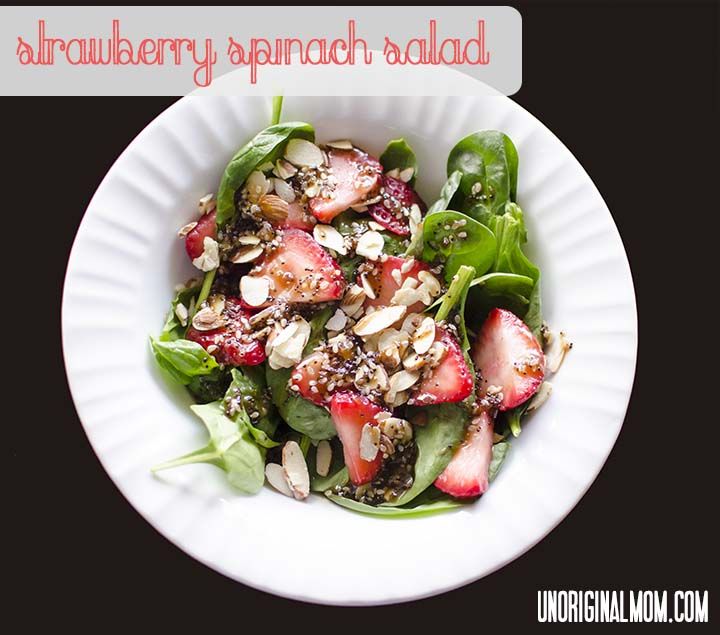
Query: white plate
<point x="126" y="260"/>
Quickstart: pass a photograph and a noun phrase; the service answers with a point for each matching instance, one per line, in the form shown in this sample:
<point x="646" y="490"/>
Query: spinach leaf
<point x="324" y="483"/>
<point x="231" y="448"/>
<point x="488" y="161"/>
<point x="447" y="192"/>
<point x="499" y="453"/>
<point x="207" y="388"/>
<point x="300" y="414"/>
<point x="172" y="329"/>
<point x="182" y="359"/>
<point x="249" y="389"/>
<point x="499" y="284"/>
<point x="277" y="103"/>
<point x="396" y="512"/>
<point x="512" y="418"/>
<point x="399" y="155"/>
<point x="266" y="146"/>
<point x="456" y="239"/>
<point x="436" y="442"/>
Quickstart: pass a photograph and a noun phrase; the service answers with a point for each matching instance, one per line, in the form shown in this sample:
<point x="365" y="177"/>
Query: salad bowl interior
<point x="124" y="266"/>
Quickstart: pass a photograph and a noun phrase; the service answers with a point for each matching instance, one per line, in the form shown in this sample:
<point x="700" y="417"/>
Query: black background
<point x="632" y="90"/>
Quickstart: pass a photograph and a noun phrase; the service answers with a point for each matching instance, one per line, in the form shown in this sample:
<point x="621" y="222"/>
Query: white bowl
<point x="126" y="260"/>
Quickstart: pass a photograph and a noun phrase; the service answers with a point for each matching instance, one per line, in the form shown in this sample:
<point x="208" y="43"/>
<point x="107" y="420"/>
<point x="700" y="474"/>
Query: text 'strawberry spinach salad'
<point x="346" y="338"/>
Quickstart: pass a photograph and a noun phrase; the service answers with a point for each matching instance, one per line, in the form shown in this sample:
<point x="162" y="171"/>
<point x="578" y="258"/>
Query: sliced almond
<point x="340" y="144"/>
<point x="431" y="283"/>
<point x="181" y="313"/>
<point x="379" y="379"/>
<point x="256" y="186"/>
<point x="296" y="469"/>
<point x="254" y="289"/>
<point x="406" y="174"/>
<point x="337" y="322"/>
<point x="394" y="173"/>
<point x="406" y="296"/>
<point x="436" y="353"/>
<point x="247" y="254"/>
<point x="284" y="190"/>
<point x="285" y="345"/>
<point x="367" y="287"/>
<point x="206" y="320"/>
<point x="248" y="239"/>
<point x="413" y="361"/>
<point x="424" y="336"/>
<point x="207" y="204"/>
<point x="301" y="152"/>
<point x="369" y="442"/>
<point x="370" y="245"/>
<point x="396" y="428"/>
<point x="273" y="208"/>
<point x="402" y="380"/>
<point x="557" y="346"/>
<point x="407" y="265"/>
<point x="353" y="299"/>
<point x="541" y="396"/>
<point x="374" y="225"/>
<point x="209" y="259"/>
<point x="415" y="219"/>
<point x="411" y="322"/>
<point x="379" y="320"/>
<point x="217" y="303"/>
<point x="186" y="229"/>
<point x="283" y="169"/>
<point x="329" y="237"/>
<point x="276" y="476"/>
<point x="323" y="458"/>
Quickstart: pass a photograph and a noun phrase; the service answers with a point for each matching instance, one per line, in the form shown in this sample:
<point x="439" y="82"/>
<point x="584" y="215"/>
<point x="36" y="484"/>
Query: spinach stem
<point x="195" y="457"/>
<point x="455" y="292"/>
<point x="205" y="290"/>
<point x="277" y="104"/>
<point x="305" y="444"/>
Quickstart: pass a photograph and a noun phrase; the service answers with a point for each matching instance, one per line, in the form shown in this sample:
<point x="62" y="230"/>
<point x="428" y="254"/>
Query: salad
<point x="344" y="338"/>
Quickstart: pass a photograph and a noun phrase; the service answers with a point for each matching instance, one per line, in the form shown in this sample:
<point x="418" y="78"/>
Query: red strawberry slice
<point x="350" y="412"/>
<point x="308" y="370"/>
<point x="301" y="271"/>
<point x="507" y="355"/>
<point x="448" y="382"/>
<point x="194" y="240"/>
<point x="298" y="218"/>
<point x="467" y="473"/>
<point x="393" y="210"/>
<point x="357" y="177"/>
<point x="385" y="285"/>
<point x="234" y="345"/>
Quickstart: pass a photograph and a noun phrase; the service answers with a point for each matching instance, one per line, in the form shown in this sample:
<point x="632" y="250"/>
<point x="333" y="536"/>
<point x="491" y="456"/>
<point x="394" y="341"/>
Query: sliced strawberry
<point x="449" y="381"/>
<point x="234" y="345"/>
<point x="194" y="240"/>
<point x="301" y="271"/>
<point x="298" y="218"/>
<point x="507" y="355"/>
<point x="467" y="473"/>
<point x="393" y="210"/>
<point x="350" y="412"/>
<point x="357" y="177"/>
<point x="385" y="285"/>
<point x="308" y="370"/>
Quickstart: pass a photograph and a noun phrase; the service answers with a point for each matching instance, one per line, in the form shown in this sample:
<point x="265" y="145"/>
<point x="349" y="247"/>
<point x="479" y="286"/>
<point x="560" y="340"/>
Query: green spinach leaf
<point x="207" y="388"/>
<point x="499" y="453"/>
<point x="182" y="359"/>
<point x="249" y="388"/>
<point x="396" y="512"/>
<point x="456" y="239"/>
<point x="231" y="448"/>
<point x="436" y="441"/>
<point x="266" y="146"/>
<point x="172" y="329"/>
<point x="399" y="155"/>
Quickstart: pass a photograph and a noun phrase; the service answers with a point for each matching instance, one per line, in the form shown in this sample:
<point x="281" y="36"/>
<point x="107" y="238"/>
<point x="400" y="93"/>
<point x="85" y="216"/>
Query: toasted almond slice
<point x="276" y="476"/>
<point x="301" y="152"/>
<point x="254" y="289"/>
<point x="369" y="442"/>
<point x="370" y="245"/>
<point x="413" y="361"/>
<point x="284" y="190"/>
<point x="353" y="299"/>
<point x="557" y="346"/>
<point x="431" y="283"/>
<point x="394" y="173"/>
<point x="206" y="320"/>
<point x="407" y="265"/>
<point x="256" y="185"/>
<point x="415" y="219"/>
<point x="284" y="170"/>
<point x="209" y="259"/>
<point x="217" y="303"/>
<point x="323" y="458"/>
<point x="367" y="287"/>
<point x="400" y="398"/>
<point x="436" y="353"/>
<point x="296" y="469"/>
<point x="374" y="225"/>
<point x="248" y="239"/>
<point x="406" y="297"/>
<point x="406" y="174"/>
<point x="329" y="237"/>
<point x="207" y="204"/>
<point x="379" y="320"/>
<point x="541" y="396"/>
<point x="408" y="283"/>
<point x="247" y="254"/>
<point x="403" y="379"/>
<point x="337" y="322"/>
<point x="340" y="144"/>
<point x="181" y="313"/>
<point x="424" y="336"/>
<point x="396" y="428"/>
<point x="379" y="379"/>
<point x="411" y="322"/>
<point x="397" y="277"/>
<point x="186" y="229"/>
